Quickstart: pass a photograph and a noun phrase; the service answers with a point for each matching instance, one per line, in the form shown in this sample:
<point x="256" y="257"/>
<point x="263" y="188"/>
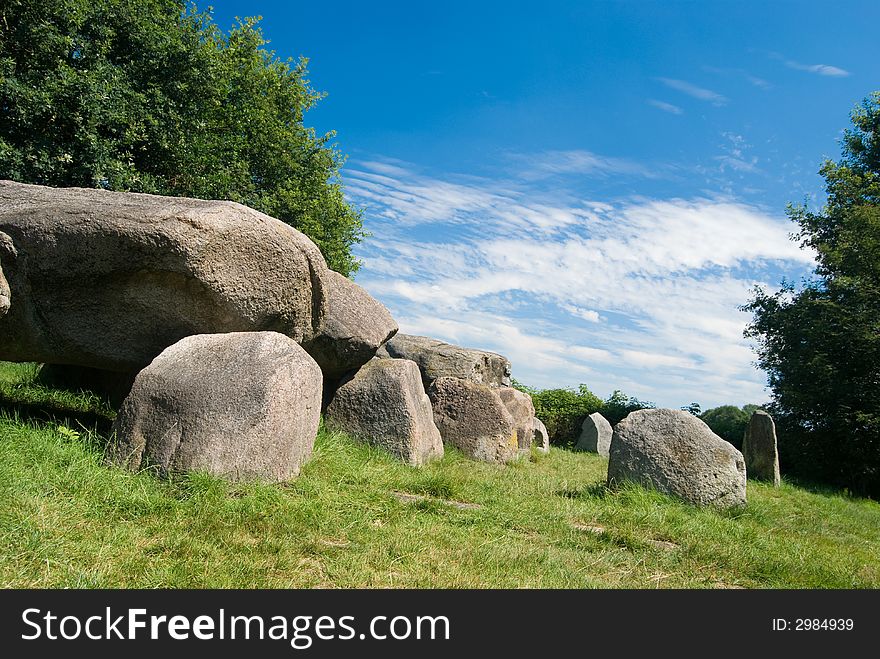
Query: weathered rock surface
<point x="438" y="359"/>
<point x="472" y="417"/>
<point x="759" y="448"/>
<point x="676" y="453"/>
<point x="595" y="435"/>
<point x="540" y="436"/>
<point x="385" y="404"/>
<point x="242" y="405"/>
<point x="6" y="255"/>
<point x="354" y="327"/>
<point x="522" y="410"/>
<point x="107" y="280"/>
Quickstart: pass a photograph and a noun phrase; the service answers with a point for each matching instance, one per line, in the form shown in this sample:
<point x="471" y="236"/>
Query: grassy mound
<point x="67" y="520"/>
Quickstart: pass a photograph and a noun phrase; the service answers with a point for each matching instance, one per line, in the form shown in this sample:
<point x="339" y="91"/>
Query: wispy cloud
<point x="666" y="107"/>
<point x="819" y="69"/>
<point x="751" y="79"/>
<point x="639" y="294"/>
<point x="694" y="91"/>
<point x="575" y="161"/>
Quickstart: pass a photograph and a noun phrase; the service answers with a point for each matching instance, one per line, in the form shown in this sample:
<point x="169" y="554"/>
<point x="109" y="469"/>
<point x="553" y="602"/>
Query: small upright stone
<point x="540" y="438"/>
<point x="596" y="435"/>
<point x="384" y="404"/>
<point x="522" y="410"/>
<point x="471" y="417"/>
<point x="759" y="448"/>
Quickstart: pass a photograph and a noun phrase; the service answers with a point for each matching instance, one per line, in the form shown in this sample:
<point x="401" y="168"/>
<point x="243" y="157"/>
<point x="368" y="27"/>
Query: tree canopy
<point x="151" y="96"/>
<point x="820" y="343"/>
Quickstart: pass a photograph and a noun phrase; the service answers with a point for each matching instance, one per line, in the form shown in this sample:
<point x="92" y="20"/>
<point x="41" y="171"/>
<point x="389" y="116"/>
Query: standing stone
<point x="472" y="417"/>
<point x="385" y="405"/>
<point x="759" y="448"/>
<point x="242" y="405"/>
<point x="354" y="327"/>
<point x="522" y="410"/>
<point x="438" y="359"/>
<point x="676" y="453"/>
<point x="540" y="438"/>
<point x="595" y="435"/>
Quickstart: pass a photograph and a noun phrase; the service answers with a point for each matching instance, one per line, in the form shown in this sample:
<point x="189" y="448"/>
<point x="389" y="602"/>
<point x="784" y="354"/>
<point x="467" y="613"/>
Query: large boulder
<point x="595" y="435"/>
<point x="471" y="417"/>
<point x="522" y="410"/>
<point x="354" y="327"/>
<point x="107" y="280"/>
<point x="759" y="448"/>
<point x="385" y="404"/>
<point x="540" y="436"/>
<point x="242" y="405"/>
<point x="438" y="359"/>
<point x="676" y="453"/>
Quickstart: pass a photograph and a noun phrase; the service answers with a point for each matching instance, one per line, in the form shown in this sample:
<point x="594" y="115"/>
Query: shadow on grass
<point x="42" y="413"/>
<point x="597" y="490"/>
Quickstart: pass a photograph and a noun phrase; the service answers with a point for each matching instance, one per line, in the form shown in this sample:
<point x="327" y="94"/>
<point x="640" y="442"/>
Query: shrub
<point x="563" y="410"/>
<point x="729" y="422"/>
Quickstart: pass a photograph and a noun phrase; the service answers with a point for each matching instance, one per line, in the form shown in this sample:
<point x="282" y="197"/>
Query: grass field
<point x="67" y="520"/>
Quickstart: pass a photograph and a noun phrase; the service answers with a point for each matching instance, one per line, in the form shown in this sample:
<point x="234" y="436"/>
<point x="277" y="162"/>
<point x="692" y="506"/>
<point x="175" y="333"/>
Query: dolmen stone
<point x="595" y="435"/>
<point x="759" y="448"/>
<point x="385" y="404"/>
<point x="437" y="359"/>
<point x="540" y="436"/>
<point x="241" y="405"/>
<point x="354" y="326"/>
<point x="521" y="408"/>
<point x="472" y="417"/>
<point x="107" y="280"/>
<point x="676" y="453"/>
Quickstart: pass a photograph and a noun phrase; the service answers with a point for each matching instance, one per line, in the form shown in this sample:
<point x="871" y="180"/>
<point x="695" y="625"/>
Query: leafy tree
<point x="729" y="422"/>
<point x="151" y="96"/>
<point x="618" y="405"/>
<point x="693" y="408"/>
<point x="820" y="343"/>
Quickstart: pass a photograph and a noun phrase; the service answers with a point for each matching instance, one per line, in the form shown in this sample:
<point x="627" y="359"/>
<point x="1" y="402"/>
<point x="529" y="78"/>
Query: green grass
<point x="67" y="520"/>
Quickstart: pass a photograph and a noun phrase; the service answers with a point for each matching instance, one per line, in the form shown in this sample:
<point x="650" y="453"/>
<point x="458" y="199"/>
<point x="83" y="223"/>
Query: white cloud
<point x="694" y="91"/>
<point x="666" y="107"/>
<point x="576" y="161"/>
<point x="818" y="69"/>
<point x="586" y="314"/>
<point x="641" y="295"/>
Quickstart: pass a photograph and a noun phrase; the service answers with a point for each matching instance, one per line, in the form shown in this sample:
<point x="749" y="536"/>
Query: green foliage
<point x="820" y="343"/>
<point x="151" y="96"/>
<point x="69" y="520"/>
<point x="729" y="422"/>
<point x="562" y="410"/>
<point x="618" y="405"/>
<point x="693" y="408"/>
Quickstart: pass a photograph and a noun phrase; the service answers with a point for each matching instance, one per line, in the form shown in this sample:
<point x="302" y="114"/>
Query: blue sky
<point x="590" y="188"/>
